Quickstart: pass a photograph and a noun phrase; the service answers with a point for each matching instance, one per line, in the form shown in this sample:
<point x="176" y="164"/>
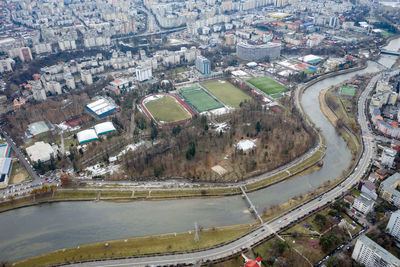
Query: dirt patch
<point x="18" y="178"/>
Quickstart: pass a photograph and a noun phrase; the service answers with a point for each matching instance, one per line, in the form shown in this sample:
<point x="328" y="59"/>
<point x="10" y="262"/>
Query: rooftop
<point x="383" y="253"/>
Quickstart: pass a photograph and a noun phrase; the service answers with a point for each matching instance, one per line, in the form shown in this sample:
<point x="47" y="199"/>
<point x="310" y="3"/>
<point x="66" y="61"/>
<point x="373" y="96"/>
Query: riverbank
<point x="141" y="246"/>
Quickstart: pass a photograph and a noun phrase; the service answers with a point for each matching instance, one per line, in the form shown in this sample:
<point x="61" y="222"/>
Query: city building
<point x="258" y="52"/>
<point x="203" y="65"/>
<point x="369" y="189"/>
<point x="38" y="129"/>
<point x="393" y="226"/>
<point x="104" y="128"/>
<point x="370" y="254"/>
<point x="363" y="203"/>
<point x="86" y="77"/>
<point x="87" y="136"/>
<point x="143" y="73"/>
<point x="388" y="156"/>
<point x="5" y="168"/>
<point x="102" y="107"/>
<point x="6" y="65"/>
<point x="40" y="151"/>
<point x="25" y="54"/>
<point x="388" y="189"/>
<point x="70" y="81"/>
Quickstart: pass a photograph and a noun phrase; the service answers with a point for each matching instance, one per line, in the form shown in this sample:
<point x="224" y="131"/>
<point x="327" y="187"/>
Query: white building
<point x="370" y="254"/>
<point x="393" y="226"/>
<point x="6" y="65"/>
<point x="363" y="203"/>
<point x="70" y="81"/>
<point x="54" y="87"/>
<point x="143" y="73"/>
<point x="87" y="136"/>
<point x="40" y="151"/>
<point x="86" y="77"/>
<point x="388" y="156"/>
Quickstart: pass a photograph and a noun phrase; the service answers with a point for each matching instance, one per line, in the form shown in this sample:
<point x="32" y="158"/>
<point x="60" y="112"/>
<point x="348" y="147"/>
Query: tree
<point x="258" y="127"/>
<point x="332" y="262"/>
<point x="328" y="242"/>
<point x="320" y="220"/>
<point x="191" y="151"/>
<point x="65" y="180"/>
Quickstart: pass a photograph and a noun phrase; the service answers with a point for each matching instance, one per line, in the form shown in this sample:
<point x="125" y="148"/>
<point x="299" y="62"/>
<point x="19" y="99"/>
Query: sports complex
<point x="268" y="86"/>
<point x="166" y="109"/>
<point x="172" y="109"/>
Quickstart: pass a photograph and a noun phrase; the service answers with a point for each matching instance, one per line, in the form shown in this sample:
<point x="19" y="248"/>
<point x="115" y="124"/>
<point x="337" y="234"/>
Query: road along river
<point x="38" y="229"/>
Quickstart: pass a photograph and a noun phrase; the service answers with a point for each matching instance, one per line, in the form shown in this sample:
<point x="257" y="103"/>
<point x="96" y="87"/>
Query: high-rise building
<point x="143" y="73"/>
<point x="393" y="226"/>
<point x="258" y="52"/>
<point x="203" y="65"/>
<point x="25" y="54"/>
<point x="70" y="81"/>
<point x="370" y="254"/>
<point x="86" y="77"/>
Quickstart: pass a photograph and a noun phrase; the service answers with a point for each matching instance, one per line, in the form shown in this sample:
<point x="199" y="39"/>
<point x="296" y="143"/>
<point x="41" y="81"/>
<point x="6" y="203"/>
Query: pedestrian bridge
<point x="251" y="205"/>
<point x="390" y="52"/>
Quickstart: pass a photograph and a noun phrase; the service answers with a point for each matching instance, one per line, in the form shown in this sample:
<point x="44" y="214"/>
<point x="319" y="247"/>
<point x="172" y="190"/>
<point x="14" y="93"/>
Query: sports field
<point x="268" y="86"/>
<point x="200" y="100"/>
<point x="347" y="91"/>
<point x="226" y="92"/>
<point x="189" y="88"/>
<point x="167" y="109"/>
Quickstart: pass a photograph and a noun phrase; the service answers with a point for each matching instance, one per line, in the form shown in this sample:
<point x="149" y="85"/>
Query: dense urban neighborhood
<point x="199" y="133"/>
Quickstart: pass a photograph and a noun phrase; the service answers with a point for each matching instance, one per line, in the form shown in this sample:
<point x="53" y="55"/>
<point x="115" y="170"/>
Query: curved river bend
<point x="38" y="229"/>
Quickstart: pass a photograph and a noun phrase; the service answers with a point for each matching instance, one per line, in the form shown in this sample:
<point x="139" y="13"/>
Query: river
<point x="43" y="228"/>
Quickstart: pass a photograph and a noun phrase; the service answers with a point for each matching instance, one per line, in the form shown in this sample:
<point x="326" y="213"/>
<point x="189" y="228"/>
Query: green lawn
<point x="268" y="86"/>
<point x="189" y="88"/>
<point x="226" y="92"/>
<point x="167" y="109"/>
<point x="201" y="100"/>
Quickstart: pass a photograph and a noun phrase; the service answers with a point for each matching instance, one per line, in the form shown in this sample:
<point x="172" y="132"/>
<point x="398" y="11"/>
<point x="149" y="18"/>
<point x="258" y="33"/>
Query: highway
<point x="271" y="227"/>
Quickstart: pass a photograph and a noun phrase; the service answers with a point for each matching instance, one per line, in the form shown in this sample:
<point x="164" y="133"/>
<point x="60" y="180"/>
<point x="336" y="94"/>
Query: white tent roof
<point x="104" y="127"/>
<point x="86" y="135"/>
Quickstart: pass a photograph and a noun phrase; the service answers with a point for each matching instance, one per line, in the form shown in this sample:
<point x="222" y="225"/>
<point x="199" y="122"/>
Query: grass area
<point x="167" y="109"/>
<point x="75" y="194"/>
<point x="114" y="193"/>
<point x="201" y="100"/>
<point x="182" y="69"/>
<point x="268" y="86"/>
<point x="18" y="173"/>
<point x="140" y="246"/>
<point x="226" y="92"/>
<point x="386" y="34"/>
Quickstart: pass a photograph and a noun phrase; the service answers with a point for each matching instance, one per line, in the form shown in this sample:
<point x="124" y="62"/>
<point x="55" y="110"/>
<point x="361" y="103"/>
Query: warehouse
<point x="40" y="151"/>
<point x="104" y="128"/>
<point x="102" y="107"/>
<point x="87" y="136"/>
<point x="5" y="168"/>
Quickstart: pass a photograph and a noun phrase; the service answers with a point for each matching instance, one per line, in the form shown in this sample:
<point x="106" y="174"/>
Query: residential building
<point x="203" y="65"/>
<point x="143" y="73"/>
<point x="25" y="54"/>
<point x="388" y="156"/>
<point x="388" y="189"/>
<point x="6" y="65"/>
<point x="370" y="254"/>
<point x="393" y="226"/>
<point x="369" y="189"/>
<point x="363" y="203"/>
<point x="86" y="77"/>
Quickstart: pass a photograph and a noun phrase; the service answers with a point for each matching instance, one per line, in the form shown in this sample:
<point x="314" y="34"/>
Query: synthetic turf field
<point x="268" y="86"/>
<point x="347" y="91"/>
<point x="226" y="92"/>
<point x="167" y="109"/>
<point x="201" y="100"/>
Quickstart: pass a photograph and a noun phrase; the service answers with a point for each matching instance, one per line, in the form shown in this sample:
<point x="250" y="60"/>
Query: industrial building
<point x="87" y="136"/>
<point x="38" y="129"/>
<point x="104" y="128"/>
<point x="143" y="73"/>
<point x="40" y="151"/>
<point x="370" y="254"/>
<point x="203" y="65"/>
<point x="102" y="107"/>
<point x="258" y="52"/>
